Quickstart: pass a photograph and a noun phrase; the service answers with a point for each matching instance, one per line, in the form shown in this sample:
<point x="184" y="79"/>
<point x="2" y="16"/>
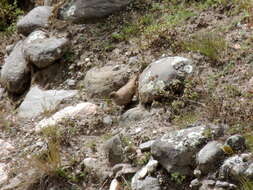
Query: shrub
<point x="8" y="15"/>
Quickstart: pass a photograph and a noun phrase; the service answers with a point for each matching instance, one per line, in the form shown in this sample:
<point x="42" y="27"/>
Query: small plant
<point x="48" y="162"/>
<point x="8" y="15"/>
<point x="177" y="177"/>
<point x="246" y="184"/>
<point x="144" y="159"/>
<point x="209" y="44"/>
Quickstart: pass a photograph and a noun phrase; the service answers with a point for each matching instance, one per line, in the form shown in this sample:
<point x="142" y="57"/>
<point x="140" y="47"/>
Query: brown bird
<point x="125" y="94"/>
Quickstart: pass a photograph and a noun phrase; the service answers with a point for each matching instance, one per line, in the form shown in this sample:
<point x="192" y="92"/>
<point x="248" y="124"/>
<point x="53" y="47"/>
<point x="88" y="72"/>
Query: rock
<point x="84" y="109"/>
<point x="159" y="75"/>
<point x="236" y="142"/>
<point x="107" y="120"/>
<point x="97" y="166"/>
<point x="5" y="149"/>
<point x="146" y="146"/>
<point x="36" y="18"/>
<point x="3" y="173"/>
<point x="210" y="156"/>
<point x="71" y="82"/>
<point x="249" y="172"/>
<point x="149" y="183"/>
<point x="233" y="167"/>
<point x="134" y="115"/>
<point x="114" y="150"/>
<point x="197" y="173"/>
<point x="34" y="36"/>
<point x="14" y="183"/>
<point x="175" y="151"/>
<point x="207" y="184"/>
<point x="100" y="82"/>
<point x="141" y="181"/>
<point x="9" y="48"/>
<point x="149" y="168"/>
<point x="83" y="11"/>
<point x="1" y="93"/>
<point x="195" y="184"/>
<point x="43" y="52"/>
<point x="123" y="169"/>
<point x="225" y="185"/>
<point x="38" y="101"/>
<point x="115" y="185"/>
<point x="15" y="72"/>
<point x="250" y="86"/>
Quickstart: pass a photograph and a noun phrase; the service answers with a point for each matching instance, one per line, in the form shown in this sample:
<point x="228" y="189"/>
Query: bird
<point x="125" y="94"/>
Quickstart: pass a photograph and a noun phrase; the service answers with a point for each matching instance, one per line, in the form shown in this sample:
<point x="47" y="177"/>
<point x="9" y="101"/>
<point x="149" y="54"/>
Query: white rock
<point x="3" y="173"/>
<point x="85" y="108"/>
<point x="115" y="185"/>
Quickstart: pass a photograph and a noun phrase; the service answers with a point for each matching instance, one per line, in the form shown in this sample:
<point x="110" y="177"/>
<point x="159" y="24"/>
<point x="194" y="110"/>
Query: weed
<point x="177" y="177"/>
<point x="209" y="44"/>
<point x="8" y="15"/>
<point x="49" y="161"/>
<point x="246" y="184"/>
<point x="92" y="145"/>
<point x="69" y="57"/>
<point x="185" y="119"/>
<point x="249" y="141"/>
<point x="144" y="159"/>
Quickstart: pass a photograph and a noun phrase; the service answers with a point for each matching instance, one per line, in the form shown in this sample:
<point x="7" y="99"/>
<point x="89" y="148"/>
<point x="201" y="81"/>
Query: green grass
<point x="209" y="44"/>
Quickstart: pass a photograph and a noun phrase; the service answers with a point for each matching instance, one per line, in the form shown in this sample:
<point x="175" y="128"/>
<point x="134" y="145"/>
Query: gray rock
<point x="43" y="52"/>
<point x="233" y="167"/>
<point x="1" y="93"/>
<point x="36" y="18"/>
<point x="83" y="11"/>
<point x="210" y="156"/>
<point x="149" y="183"/>
<point x="123" y="169"/>
<point x="107" y="120"/>
<point x="114" y="150"/>
<point x="15" y="72"/>
<point x="249" y="172"/>
<point x="207" y="184"/>
<point x="38" y="101"/>
<point x="159" y="75"/>
<point x="197" y="173"/>
<point x="71" y="82"/>
<point x="236" y="142"/>
<point x="100" y="82"/>
<point x="146" y="146"/>
<point x="175" y="151"/>
<point x="99" y="167"/>
<point x="195" y="184"/>
<point x="134" y="115"/>
<point x="9" y="48"/>
<point x="224" y="184"/>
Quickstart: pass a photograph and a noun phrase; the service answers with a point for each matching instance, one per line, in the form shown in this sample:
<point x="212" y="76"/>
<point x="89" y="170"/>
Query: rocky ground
<point x="122" y="95"/>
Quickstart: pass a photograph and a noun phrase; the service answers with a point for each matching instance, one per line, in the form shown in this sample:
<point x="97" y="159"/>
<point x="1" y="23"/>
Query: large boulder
<point x="38" y="101"/>
<point x="175" y="151"/>
<point x="83" y="11"/>
<point x="36" y="18"/>
<point x="159" y="75"/>
<point x="209" y="157"/>
<point x="43" y="52"/>
<point x="100" y="82"/>
<point x="15" y="72"/>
